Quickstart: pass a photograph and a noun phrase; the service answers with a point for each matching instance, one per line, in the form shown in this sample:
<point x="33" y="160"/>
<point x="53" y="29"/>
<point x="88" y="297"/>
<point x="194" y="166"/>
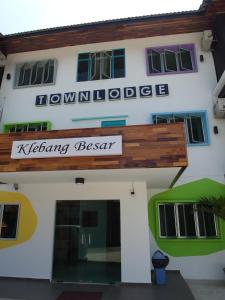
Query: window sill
<point x="171" y="73"/>
<point x="195" y="240"/>
<point x="33" y="85"/>
<point x="8" y="239"/>
<point x="198" y="144"/>
<point x="102" y="79"/>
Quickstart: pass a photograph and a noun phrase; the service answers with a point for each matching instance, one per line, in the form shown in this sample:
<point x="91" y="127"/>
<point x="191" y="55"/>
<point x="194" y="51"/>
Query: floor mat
<point x="73" y="295"/>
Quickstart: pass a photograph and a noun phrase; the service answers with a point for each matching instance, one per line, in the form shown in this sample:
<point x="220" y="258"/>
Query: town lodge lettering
<point x="126" y="93"/>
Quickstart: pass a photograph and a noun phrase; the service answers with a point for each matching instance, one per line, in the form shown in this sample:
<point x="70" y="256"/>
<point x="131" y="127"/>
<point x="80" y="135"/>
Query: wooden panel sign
<point x="87" y="146"/>
<point x="143" y="146"/>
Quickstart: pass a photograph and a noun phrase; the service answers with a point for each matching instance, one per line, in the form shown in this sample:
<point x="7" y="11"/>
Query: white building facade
<point x="128" y="204"/>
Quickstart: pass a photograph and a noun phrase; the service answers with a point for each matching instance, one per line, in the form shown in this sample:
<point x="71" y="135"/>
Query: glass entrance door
<point x="87" y="241"/>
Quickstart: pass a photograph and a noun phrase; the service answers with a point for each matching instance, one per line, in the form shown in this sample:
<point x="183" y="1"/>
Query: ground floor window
<point x="8" y="220"/>
<point x="184" y="220"/>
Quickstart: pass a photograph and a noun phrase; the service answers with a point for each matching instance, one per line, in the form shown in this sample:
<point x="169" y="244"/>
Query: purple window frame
<point x="190" y="47"/>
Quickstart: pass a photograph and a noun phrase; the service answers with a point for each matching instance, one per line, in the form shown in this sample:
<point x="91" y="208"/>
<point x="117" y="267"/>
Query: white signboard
<point x="84" y="146"/>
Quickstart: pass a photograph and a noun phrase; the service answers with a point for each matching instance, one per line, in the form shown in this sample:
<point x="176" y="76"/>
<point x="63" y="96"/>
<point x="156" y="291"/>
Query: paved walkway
<point x="28" y="289"/>
<point x="207" y="289"/>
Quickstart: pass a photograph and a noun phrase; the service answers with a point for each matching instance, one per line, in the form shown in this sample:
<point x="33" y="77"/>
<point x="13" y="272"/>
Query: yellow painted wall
<point x="27" y="219"/>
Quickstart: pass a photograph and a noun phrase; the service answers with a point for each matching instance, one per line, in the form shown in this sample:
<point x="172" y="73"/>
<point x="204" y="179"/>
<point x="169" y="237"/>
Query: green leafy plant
<point x="215" y="205"/>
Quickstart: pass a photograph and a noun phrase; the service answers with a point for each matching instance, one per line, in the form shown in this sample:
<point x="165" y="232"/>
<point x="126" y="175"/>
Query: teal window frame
<point x="113" y="123"/>
<point x="25" y="126"/>
<point x="159" y="118"/>
<point x="89" y="59"/>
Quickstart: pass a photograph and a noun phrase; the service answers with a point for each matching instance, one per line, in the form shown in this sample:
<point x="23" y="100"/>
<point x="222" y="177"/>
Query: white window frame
<point x="1" y="217"/>
<point x="164" y="61"/>
<point x="31" y="65"/>
<point x="102" y="60"/>
<point x="177" y="225"/>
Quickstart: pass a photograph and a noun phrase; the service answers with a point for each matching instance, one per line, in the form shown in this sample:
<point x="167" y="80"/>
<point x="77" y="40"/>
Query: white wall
<point x="33" y="259"/>
<point x="188" y="92"/>
<point x="196" y="267"/>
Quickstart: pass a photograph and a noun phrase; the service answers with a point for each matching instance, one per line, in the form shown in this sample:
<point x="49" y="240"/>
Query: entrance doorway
<point x="87" y="241"/>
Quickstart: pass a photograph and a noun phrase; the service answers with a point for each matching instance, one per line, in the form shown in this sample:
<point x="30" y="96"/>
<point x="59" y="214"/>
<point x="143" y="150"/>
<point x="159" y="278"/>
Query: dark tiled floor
<point x="28" y="289"/>
<point x="91" y="272"/>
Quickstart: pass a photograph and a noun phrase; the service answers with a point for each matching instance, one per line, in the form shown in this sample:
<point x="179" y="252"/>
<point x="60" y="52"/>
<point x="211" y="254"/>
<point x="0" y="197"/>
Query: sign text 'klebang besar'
<point x="84" y="146"/>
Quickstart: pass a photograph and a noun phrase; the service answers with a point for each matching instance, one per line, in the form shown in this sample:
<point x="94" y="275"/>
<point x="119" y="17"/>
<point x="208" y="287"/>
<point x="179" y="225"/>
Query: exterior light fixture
<point x="132" y="191"/>
<point x="79" y="180"/>
<point x="16" y="186"/>
<point x="215" y="129"/>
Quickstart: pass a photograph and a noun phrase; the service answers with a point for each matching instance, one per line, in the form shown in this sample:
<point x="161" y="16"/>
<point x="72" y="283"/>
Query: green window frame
<point x="9" y="216"/>
<point x="184" y="220"/>
<point x="35" y="73"/>
<point x="101" y="65"/>
<point x="27" y="127"/>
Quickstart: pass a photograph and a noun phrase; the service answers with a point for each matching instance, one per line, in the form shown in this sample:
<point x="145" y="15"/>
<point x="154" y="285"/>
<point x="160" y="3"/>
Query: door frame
<point x="53" y="240"/>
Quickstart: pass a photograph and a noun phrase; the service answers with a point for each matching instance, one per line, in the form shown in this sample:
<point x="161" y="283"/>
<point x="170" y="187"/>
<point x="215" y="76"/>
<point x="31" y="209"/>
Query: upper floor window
<point x="8" y="220"/>
<point x="101" y="65"/>
<point x="171" y="59"/>
<point x="184" y="220"/>
<point x="27" y="127"/>
<point x="195" y="125"/>
<point x="35" y="73"/>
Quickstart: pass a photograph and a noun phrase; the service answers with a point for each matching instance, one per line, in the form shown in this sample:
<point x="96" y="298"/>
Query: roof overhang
<point x="114" y="30"/>
<point x="151" y="153"/>
<point x="154" y="177"/>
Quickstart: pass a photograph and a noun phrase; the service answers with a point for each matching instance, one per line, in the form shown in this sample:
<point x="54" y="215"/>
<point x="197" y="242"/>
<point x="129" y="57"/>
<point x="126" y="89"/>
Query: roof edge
<point x="202" y="9"/>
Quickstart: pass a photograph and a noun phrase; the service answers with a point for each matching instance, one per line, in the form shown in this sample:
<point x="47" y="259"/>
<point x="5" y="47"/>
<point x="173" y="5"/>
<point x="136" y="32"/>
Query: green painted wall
<point x="189" y="192"/>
